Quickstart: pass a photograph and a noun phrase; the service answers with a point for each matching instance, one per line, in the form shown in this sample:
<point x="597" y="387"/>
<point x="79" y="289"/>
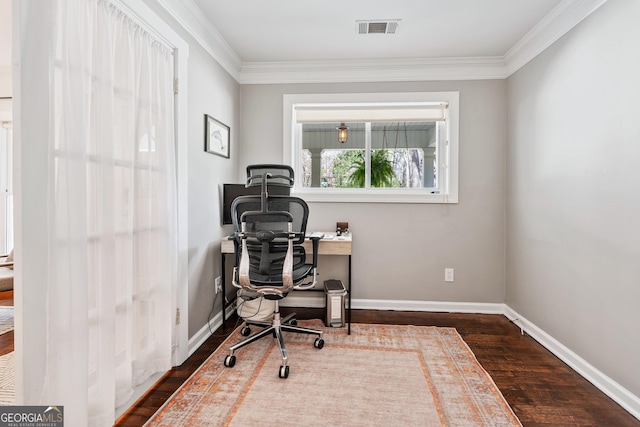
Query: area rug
<point x="380" y="375"/>
<point x="7" y="379"/>
<point x="6" y="319"/>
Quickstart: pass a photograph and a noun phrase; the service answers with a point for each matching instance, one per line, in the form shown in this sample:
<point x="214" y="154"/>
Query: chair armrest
<point x="315" y="242"/>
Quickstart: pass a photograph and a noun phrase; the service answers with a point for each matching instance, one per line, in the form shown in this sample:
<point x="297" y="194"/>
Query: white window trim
<point x="378" y="195"/>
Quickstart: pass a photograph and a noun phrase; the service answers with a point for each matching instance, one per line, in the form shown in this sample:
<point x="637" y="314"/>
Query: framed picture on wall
<point x="217" y="137"/>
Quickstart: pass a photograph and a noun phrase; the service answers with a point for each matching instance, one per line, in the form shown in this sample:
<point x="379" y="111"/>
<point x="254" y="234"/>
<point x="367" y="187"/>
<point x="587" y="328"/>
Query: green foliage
<point x="343" y="165"/>
<point x="382" y="174"/>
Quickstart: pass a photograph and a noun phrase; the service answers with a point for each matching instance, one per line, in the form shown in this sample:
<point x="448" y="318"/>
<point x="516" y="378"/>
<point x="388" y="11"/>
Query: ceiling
<point x="295" y="41"/>
<point x="303" y="41"/>
<point x="302" y="30"/>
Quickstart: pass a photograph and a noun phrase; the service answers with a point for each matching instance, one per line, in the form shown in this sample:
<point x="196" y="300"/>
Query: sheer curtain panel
<point x="113" y="198"/>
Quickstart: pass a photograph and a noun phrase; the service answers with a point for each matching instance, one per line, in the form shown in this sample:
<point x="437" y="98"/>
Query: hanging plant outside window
<point x="382" y="174"/>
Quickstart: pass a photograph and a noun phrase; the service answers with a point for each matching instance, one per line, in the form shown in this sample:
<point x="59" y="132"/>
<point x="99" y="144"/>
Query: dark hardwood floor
<point x="6" y="340"/>
<point x="540" y="388"/>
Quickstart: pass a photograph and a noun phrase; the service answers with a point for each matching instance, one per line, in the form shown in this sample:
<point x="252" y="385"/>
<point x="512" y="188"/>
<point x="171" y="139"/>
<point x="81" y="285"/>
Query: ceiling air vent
<point x="388" y="26"/>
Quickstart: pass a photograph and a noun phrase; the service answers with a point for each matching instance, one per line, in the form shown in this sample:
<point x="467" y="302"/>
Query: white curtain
<point x="113" y="253"/>
<point x="6" y="184"/>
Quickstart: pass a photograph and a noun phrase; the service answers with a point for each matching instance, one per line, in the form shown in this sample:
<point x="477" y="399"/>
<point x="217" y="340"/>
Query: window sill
<point x="372" y="196"/>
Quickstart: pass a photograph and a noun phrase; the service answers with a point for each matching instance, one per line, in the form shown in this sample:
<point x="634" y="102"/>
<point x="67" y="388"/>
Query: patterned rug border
<point x="7" y="379"/>
<point x="409" y="330"/>
<point x="235" y="334"/>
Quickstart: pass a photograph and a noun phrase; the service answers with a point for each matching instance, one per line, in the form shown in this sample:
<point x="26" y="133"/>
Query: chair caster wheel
<point x="293" y="322"/>
<point x="318" y="343"/>
<point x="230" y="361"/>
<point x="284" y="371"/>
<point x="245" y="332"/>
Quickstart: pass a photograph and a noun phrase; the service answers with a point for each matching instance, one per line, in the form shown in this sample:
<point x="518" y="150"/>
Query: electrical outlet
<point x="448" y="274"/>
<point x="218" y="284"/>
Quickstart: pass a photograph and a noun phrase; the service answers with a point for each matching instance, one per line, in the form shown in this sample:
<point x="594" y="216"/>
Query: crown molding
<point x="391" y="70"/>
<point x="191" y="17"/>
<point x="557" y="23"/>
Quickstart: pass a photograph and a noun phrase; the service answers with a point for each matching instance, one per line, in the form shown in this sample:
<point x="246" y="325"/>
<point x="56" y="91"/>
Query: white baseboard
<point x="206" y="331"/>
<point x="318" y="301"/>
<point x="622" y="396"/>
<point x="307" y="299"/>
<point x="434" y="306"/>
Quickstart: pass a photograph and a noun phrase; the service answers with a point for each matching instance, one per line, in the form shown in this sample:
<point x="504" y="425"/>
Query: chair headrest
<point x="275" y="175"/>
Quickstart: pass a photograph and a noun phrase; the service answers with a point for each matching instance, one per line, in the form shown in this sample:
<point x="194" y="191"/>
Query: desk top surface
<point x="330" y="244"/>
<point x="331" y="236"/>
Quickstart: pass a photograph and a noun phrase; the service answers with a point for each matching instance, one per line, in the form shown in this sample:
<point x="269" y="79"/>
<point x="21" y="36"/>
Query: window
<point x="400" y="147"/>
<point x="396" y="155"/>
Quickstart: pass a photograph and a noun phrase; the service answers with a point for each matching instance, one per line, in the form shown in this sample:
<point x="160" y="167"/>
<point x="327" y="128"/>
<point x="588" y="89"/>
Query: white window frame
<point x="448" y="152"/>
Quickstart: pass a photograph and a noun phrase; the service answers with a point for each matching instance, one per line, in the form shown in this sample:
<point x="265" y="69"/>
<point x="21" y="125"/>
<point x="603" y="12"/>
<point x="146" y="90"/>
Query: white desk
<point x="337" y="245"/>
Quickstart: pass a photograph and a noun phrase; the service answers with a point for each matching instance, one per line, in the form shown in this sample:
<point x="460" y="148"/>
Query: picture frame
<point x="217" y="137"/>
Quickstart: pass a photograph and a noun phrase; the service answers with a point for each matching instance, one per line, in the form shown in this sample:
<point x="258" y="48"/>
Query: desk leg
<point x="224" y="290"/>
<point x="349" y="308"/>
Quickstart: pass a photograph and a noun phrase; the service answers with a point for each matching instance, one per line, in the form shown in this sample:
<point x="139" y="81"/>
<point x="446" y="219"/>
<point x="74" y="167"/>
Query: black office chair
<point x="270" y="258"/>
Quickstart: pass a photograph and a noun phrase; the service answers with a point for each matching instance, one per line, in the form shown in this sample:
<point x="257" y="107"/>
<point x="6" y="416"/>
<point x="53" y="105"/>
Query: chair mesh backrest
<point x="281" y="175"/>
<point x="266" y="265"/>
<point x="257" y="220"/>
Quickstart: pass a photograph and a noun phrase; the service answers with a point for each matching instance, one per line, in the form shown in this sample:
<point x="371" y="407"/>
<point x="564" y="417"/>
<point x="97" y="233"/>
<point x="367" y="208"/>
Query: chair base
<point x="275" y="328"/>
<point x="288" y="319"/>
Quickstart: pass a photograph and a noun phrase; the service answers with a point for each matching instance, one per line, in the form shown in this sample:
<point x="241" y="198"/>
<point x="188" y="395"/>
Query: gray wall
<point x="400" y="251"/>
<point x="573" y="228"/>
<point x="211" y="91"/>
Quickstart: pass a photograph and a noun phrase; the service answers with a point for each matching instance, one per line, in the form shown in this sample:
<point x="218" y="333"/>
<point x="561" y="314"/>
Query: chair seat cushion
<point x="299" y="274"/>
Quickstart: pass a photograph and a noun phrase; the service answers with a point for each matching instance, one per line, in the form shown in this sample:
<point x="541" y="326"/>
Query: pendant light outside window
<point x="342" y="133"/>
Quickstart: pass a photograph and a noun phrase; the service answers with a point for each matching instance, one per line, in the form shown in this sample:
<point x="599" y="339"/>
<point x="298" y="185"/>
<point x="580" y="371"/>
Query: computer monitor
<point x="231" y="191"/>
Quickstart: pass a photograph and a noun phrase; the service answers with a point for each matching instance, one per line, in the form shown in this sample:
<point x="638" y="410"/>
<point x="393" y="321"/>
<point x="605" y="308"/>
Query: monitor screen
<point x="231" y="191"/>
